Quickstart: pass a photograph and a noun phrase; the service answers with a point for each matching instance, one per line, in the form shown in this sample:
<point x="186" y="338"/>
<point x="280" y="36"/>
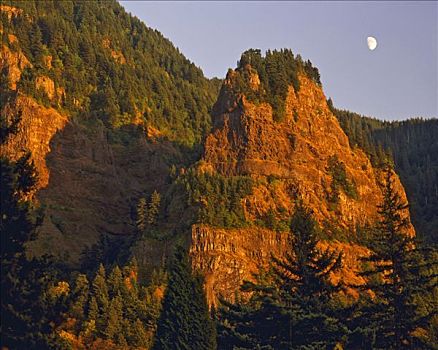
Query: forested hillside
<point x="413" y="147"/>
<point x="108" y="65"/>
<point x="103" y="102"/>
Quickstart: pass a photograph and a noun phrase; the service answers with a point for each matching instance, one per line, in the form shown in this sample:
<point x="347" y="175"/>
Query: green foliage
<point x="109" y="249"/>
<point x="147" y="214"/>
<point x="112" y="67"/>
<point x="218" y="198"/>
<point x="277" y="70"/>
<point x="185" y="322"/>
<point x="339" y="180"/>
<point x="141" y="215"/>
<point x="412" y="146"/>
<point x="275" y="220"/>
<point x="396" y="278"/>
<point x="113" y="308"/>
<point x="153" y="208"/>
<point x="360" y="130"/>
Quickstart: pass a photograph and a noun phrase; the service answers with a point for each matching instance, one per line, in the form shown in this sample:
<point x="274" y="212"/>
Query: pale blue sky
<point x="398" y="80"/>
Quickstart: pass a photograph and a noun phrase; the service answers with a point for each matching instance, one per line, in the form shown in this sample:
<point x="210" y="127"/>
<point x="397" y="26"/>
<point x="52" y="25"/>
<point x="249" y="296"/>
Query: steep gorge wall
<point x="288" y="160"/>
<point x="247" y="141"/>
<point x="228" y="257"/>
<point x="90" y="184"/>
<point x="87" y="183"/>
<point x="37" y="126"/>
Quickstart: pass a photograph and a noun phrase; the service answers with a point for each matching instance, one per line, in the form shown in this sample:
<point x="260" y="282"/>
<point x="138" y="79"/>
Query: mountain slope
<point x="301" y="155"/>
<point x="106" y="106"/>
<point x="413" y="147"/>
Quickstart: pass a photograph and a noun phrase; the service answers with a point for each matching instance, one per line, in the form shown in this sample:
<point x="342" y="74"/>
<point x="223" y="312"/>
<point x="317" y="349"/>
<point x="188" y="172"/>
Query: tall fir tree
<point x="141" y="215"/>
<point x="185" y="321"/>
<point x="154" y="208"/>
<point x="79" y="296"/>
<point x="290" y="305"/>
<point x="100" y="293"/>
<point x="394" y="276"/>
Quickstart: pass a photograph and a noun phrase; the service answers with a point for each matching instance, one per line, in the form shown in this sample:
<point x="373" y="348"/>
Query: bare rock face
<point x="228" y="257"/>
<point x="37" y="126"/>
<point x="14" y="63"/>
<point x="294" y="154"/>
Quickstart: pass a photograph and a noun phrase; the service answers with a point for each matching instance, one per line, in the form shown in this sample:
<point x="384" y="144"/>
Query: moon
<point x="372" y="43"/>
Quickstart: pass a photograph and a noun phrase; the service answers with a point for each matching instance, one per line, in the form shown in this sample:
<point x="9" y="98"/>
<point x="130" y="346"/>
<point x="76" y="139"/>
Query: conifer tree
<point x="115" y="282"/>
<point x="114" y="318"/>
<point x="185" y="321"/>
<point x="290" y="306"/>
<point x="394" y="276"/>
<point x="100" y="293"/>
<point x="141" y="215"/>
<point x="154" y="208"/>
<point x="80" y="296"/>
<point x="93" y="309"/>
<point x="140" y="338"/>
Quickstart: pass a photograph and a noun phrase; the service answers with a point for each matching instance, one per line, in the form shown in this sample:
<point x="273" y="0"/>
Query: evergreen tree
<point x="140" y="338"/>
<point x="141" y="215"/>
<point x="80" y="296"/>
<point x="115" y="282"/>
<point x="394" y="276"/>
<point x="100" y="293"/>
<point x="290" y="306"/>
<point x="185" y="321"/>
<point x="114" y="319"/>
<point x="154" y="208"/>
<point x="93" y="309"/>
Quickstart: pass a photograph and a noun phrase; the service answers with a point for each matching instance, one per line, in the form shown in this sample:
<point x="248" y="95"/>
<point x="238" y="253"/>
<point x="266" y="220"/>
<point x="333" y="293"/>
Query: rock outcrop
<point x="295" y="152"/>
<point x="13" y="63"/>
<point x="37" y="126"/>
<point x="290" y="160"/>
<point x="227" y="257"/>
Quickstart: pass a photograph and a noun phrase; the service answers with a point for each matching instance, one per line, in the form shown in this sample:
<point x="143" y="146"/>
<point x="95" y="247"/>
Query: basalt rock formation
<point x="298" y="158"/>
<point x="297" y="152"/>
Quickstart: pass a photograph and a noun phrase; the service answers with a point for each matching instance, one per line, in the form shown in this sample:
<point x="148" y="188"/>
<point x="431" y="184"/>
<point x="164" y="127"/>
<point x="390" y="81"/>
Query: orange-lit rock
<point x="37" y="126"/>
<point x="14" y="63"/>
<point x="289" y="161"/>
<point x="245" y="140"/>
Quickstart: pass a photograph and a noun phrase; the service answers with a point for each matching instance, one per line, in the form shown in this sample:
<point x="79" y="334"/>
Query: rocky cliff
<point x="297" y="152"/>
<point x="305" y="156"/>
<point x="88" y="180"/>
<point x="227" y="257"/>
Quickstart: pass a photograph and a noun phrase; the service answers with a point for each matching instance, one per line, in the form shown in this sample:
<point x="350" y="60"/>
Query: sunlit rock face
<point x="294" y="154"/>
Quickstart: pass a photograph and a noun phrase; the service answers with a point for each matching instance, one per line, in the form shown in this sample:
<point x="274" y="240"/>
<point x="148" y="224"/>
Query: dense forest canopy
<point x="111" y="66"/>
<point x="412" y="145"/>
